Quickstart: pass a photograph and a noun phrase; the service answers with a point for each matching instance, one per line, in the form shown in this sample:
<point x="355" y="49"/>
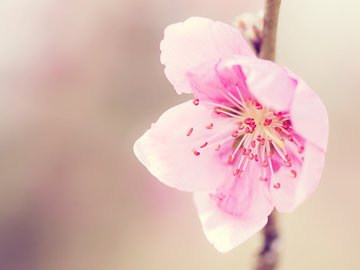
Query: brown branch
<point x="272" y="8"/>
<point x="268" y="257"/>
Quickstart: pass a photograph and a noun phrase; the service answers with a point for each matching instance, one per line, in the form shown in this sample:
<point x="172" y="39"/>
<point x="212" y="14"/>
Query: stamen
<point x="221" y="106"/>
<point x="189" y="132"/>
<point x="238" y="101"/>
<point x="210" y="126"/>
<point x="253" y="143"/>
<point x="236" y="171"/>
<point x="256" y="133"/>
<point x="267" y="122"/>
<point x="277" y="185"/>
<point x="242" y="99"/>
<point x="233" y="102"/>
<point x="219" y="110"/>
<point x="235" y="134"/>
<point x="196" y="101"/>
<point x="204" y="145"/>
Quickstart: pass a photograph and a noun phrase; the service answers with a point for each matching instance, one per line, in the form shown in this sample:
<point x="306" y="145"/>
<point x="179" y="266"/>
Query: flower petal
<point x="223" y="230"/>
<point x="294" y="190"/>
<point x="269" y="83"/>
<point x="309" y="116"/>
<point x="197" y="40"/>
<point x="167" y="151"/>
<point x="236" y="211"/>
<point x="245" y="194"/>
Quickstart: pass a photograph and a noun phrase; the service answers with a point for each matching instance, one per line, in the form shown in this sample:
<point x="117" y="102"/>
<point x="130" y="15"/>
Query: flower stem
<point x="268" y="257"/>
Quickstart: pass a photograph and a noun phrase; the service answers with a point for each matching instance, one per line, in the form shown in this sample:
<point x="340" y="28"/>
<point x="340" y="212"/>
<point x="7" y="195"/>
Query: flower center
<point x="257" y="133"/>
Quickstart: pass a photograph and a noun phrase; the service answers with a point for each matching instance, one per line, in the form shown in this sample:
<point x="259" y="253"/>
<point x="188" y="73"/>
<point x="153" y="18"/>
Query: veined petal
<point x="223" y="230"/>
<point x="269" y="83"/>
<point x="309" y="115"/>
<point x="295" y="189"/>
<point x="167" y="151"/>
<point x="197" y="40"/>
<point x="236" y="210"/>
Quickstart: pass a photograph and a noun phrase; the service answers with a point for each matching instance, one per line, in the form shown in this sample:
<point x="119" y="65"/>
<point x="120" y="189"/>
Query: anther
<point x="277" y="185"/>
<point x="217" y="110"/>
<point x="262" y="141"/>
<point x="236" y="172"/>
<point x="301" y="149"/>
<point x="293" y="173"/>
<point x="267" y="122"/>
<point x="235" y="133"/>
<point x="253" y="144"/>
<point x="249" y="121"/>
<point x="210" y="126"/>
<point x="196" y="101"/>
<point x="231" y="159"/>
<point x="286" y="125"/>
<point x="258" y="106"/>
<point x="189" y="132"/>
<point x="204" y="145"/>
<point x="196" y="153"/>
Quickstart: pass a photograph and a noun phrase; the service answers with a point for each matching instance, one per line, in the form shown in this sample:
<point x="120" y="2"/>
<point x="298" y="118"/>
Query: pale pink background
<point x="81" y="80"/>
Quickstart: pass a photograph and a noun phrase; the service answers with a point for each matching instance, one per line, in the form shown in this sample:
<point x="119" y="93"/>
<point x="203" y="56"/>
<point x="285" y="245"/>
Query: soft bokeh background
<point x="81" y="80"/>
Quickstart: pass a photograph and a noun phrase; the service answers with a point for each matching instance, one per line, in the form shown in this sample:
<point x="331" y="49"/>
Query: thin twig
<point x="272" y="8"/>
<point x="268" y="257"/>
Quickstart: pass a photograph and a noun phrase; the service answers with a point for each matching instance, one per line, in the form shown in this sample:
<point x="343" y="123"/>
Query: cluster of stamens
<point x="256" y="132"/>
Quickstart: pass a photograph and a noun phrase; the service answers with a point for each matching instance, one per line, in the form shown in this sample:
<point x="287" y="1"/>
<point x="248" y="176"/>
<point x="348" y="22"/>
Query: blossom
<point x="252" y="139"/>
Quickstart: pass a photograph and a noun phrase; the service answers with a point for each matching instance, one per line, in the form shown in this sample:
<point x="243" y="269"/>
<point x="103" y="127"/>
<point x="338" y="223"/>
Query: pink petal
<point x="167" y="151"/>
<point x="309" y="115"/>
<point x="197" y="40"/>
<point x="223" y="230"/>
<point x="269" y="83"/>
<point x="245" y="194"/>
<point x="294" y="190"/>
<point x="236" y="211"/>
<point x="212" y="80"/>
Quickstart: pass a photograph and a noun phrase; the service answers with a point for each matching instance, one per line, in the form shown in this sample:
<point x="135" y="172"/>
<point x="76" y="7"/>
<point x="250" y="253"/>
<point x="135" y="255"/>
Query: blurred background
<point x="80" y="81"/>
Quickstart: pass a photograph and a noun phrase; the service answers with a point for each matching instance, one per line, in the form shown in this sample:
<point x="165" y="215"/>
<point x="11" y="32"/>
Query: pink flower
<point x="253" y="138"/>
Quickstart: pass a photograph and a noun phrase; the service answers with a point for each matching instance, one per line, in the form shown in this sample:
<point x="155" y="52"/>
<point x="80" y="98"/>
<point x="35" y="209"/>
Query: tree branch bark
<point x="268" y="45"/>
<point x="268" y="257"/>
